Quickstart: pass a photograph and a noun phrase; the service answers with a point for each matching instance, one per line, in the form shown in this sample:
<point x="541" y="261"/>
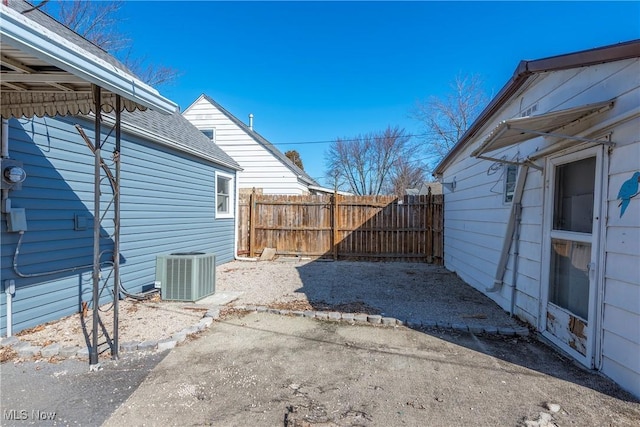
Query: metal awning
<point x="561" y="124"/>
<point x="45" y="73"/>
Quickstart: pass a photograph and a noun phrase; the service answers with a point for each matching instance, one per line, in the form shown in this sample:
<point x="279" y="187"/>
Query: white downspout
<point x="10" y="285"/>
<point x="516" y="256"/>
<point x="5" y="138"/>
<point x="4" y="153"/>
<point x="10" y="288"/>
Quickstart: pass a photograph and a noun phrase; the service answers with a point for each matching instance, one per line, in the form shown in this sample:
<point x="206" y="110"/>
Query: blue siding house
<point x="168" y="204"/>
<point x="157" y="185"/>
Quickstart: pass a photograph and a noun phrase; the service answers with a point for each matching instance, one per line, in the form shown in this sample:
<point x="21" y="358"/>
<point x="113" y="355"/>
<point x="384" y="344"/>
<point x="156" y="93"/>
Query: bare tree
<point x="446" y="120"/>
<point x="366" y="163"/>
<point x="407" y="174"/>
<point x="294" y="156"/>
<point x="97" y="21"/>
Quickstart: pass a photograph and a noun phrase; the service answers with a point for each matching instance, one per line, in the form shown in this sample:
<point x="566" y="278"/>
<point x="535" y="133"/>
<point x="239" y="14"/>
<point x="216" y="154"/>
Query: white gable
<point x="261" y="169"/>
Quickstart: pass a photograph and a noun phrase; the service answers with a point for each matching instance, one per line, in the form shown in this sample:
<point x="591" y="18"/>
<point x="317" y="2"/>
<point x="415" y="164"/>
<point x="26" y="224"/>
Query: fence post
<point x="334" y="224"/>
<point x="429" y="236"/>
<point x="252" y="223"/>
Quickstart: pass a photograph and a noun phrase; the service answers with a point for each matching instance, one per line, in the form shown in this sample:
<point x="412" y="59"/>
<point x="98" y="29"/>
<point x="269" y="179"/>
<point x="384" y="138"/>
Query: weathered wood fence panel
<point x="343" y="227"/>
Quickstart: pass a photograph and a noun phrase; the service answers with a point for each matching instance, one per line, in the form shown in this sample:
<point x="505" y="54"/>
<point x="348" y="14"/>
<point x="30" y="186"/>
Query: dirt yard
<point x="269" y="369"/>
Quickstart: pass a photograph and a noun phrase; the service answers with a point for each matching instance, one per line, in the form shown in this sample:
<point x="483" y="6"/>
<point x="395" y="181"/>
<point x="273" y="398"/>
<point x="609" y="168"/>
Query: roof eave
<point x="520" y="76"/>
<point x="29" y="36"/>
<point x="525" y="70"/>
<point x="166" y="141"/>
<point x="259" y="139"/>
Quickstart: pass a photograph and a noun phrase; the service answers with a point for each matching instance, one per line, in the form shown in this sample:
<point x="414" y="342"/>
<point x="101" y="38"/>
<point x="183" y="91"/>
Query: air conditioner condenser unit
<point x="186" y="276"/>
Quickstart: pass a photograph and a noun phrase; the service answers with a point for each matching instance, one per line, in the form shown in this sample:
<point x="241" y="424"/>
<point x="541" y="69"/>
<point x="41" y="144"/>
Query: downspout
<point x="4" y="153"/>
<point x="516" y="256"/>
<point x="5" y="138"/>
<point x="9" y="285"/>
<point x="511" y="226"/>
<point x="8" y="290"/>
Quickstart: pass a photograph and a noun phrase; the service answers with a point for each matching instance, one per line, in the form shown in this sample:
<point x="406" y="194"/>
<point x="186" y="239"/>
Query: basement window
<point x="224" y="199"/>
<point x="510" y="174"/>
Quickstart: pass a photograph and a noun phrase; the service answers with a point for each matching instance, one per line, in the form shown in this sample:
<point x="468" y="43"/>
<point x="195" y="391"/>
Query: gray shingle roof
<point x="60" y="29"/>
<point x="261" y="140"/>
<point x="178" y="132"/>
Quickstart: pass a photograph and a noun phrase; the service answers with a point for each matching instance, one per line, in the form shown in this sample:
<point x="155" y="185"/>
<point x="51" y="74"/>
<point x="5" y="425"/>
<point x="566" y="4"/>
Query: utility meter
<point x="12" y="174"/>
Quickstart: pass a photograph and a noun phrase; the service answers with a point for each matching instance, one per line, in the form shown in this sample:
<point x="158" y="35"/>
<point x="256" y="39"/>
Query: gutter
<point x="525" y="69"/>
<point x="31" y="37"/>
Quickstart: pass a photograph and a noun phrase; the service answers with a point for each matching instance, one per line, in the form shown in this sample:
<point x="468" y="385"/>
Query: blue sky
<point x="314" y="71"/>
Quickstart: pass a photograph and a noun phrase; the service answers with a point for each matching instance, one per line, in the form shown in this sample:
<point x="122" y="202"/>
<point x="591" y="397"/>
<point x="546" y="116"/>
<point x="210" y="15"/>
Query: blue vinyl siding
<point x="167" y="205"/>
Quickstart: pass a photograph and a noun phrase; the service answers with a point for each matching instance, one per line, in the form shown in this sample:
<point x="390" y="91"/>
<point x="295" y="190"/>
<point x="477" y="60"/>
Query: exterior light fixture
<point x="451" y="186"/>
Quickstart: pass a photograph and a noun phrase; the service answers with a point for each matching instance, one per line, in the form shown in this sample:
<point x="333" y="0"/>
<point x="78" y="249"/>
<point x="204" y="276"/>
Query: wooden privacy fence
<point x="343" y="227"/>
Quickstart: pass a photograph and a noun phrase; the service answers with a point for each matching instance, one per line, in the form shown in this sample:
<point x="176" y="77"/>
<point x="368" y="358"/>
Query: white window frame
<point x="231" y="195"/>
<point x="505" y="193"/>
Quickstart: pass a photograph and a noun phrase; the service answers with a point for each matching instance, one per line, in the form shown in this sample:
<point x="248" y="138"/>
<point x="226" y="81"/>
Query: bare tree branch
<point x="446" y="120"/>
<point x="97" y="21"/>
<point x="367" y="164"/>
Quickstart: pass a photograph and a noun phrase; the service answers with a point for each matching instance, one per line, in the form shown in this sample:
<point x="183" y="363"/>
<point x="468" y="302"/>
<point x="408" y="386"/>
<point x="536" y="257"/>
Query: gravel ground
<point x="406" y="291"/>
<point x="139" y="321"/>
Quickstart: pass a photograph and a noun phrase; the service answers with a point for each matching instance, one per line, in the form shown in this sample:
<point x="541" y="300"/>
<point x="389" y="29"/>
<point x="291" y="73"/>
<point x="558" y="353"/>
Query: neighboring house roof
<point x="261" y="140"/>
<point x="423" y="190"/>
<point x="48" y="69"/>
<point x="176" y="131"/>
<point x="527" y="69"/>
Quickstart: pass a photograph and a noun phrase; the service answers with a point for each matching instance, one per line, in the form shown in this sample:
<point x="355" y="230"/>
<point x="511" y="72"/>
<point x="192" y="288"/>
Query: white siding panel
<point x="623" y="268"/>
<point x="529" y="286"/>
<point x="622" y="351"/>
<point x="526" y="307"/>
<point x="622" y="295"/>
<point x="261" y="169"/>
<point x="621" y="323"/>
<point x="624" y="241"/>
<point x="622" y="375"/>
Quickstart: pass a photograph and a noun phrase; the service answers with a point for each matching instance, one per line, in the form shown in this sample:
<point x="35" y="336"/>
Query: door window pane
<point x="573" y="204"/>
<point x="569" y="281"/>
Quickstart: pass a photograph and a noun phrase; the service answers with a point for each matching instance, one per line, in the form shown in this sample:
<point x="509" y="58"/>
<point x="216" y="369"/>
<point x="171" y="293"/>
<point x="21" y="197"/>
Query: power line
<point x="416" y="135"/>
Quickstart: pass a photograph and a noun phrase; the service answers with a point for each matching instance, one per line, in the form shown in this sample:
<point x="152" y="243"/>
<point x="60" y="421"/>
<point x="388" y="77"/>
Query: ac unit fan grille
<point x="186" y="277"/>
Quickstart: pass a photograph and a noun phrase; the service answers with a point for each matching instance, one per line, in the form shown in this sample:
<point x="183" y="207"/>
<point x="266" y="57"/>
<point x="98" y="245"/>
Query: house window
<point x="210" y="133"/>
<point x="224" y="192"/>
<point x="510" y="174"/>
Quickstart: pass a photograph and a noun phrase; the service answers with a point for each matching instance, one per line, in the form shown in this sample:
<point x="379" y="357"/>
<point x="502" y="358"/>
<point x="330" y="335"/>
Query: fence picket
<point x="343" y="227"/>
